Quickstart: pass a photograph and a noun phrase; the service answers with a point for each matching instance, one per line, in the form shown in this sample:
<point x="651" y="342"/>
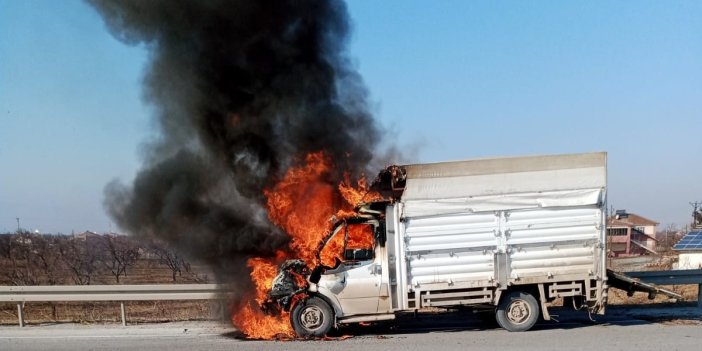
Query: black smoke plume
<point x="240" y="89"/>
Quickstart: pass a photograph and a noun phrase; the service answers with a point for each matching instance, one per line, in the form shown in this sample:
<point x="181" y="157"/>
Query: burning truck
<point x="264" y="133"/>
<point x="509" y="235"/>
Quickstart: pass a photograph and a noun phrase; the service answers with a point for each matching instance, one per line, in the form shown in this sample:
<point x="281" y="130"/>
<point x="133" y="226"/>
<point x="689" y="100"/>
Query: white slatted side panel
<point x="553" y="241"/>
<point x="450" y="248"/>
<point x="443" y="268"/>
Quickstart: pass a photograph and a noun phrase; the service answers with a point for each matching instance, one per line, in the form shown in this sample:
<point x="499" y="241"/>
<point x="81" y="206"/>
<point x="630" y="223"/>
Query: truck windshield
<point x="360" y="236"/>
<point x="350" y="242"/>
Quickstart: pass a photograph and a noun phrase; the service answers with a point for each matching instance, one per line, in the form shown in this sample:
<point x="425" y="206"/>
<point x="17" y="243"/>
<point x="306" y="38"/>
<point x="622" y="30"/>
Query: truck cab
<point x="354" y="260"/>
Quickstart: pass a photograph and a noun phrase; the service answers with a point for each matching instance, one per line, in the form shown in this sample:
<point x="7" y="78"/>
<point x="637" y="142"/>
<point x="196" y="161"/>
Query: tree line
<point x="54" y="259"/>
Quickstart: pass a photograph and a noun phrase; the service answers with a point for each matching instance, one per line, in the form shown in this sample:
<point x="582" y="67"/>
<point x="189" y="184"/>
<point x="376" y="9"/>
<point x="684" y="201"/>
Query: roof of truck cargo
<point x="510" y="182"/>
<point x="506" y="165"/>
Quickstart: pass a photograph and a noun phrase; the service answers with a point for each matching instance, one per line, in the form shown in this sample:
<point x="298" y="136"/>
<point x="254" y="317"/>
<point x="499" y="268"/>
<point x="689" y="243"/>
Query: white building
<point x="690" y="249"/>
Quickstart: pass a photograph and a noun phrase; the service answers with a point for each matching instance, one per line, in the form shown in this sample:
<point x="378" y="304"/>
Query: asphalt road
<point x="621" y="330"/>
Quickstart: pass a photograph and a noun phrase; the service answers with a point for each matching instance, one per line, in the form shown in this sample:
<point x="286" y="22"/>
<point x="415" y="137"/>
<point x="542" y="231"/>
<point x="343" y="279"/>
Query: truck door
<point x="356" y="279"/>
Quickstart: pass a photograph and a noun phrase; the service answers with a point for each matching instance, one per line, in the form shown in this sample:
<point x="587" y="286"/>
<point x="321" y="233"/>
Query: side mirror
<point x="358" y="255"/>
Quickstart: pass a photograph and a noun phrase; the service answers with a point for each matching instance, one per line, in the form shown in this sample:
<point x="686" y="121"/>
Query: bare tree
<point x="46" y="257"/>
<point x="80" y="258"/>
<point x="169" y="257"/>
<point x="668" y="237"/>
<point x="5" y="245"/>
<point x="118" y="254"/>
<point x="22" y="269"/>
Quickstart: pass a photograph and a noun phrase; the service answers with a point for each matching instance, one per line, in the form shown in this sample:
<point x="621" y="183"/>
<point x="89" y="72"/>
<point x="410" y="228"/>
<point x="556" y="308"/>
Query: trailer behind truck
<point x="507" y="235"/>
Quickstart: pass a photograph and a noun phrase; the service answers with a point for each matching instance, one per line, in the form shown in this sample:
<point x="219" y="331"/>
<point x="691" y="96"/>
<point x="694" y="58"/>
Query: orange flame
<point x="332" y="251"/>
<point x="262" y="273"/>
<point x="360" y="237"/>
<point x="358" y="194"/>
<point x="303" y="204"/>
<point x="249" y="317"/>
<point x="251" y="321"/>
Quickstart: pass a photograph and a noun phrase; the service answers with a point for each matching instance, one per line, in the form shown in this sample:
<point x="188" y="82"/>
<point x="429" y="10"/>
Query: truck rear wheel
<point x="312" y="317"/>
<point x="517" y="311"/>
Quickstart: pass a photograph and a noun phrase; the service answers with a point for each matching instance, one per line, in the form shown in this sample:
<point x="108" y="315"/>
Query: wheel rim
<point x="311" y="317"/>
<point x="518" y="311"/>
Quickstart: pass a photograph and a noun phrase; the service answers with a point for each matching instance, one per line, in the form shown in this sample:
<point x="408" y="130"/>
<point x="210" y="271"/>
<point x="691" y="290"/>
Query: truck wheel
<point x="517" y="311"/>
<point x="313" y="317"/>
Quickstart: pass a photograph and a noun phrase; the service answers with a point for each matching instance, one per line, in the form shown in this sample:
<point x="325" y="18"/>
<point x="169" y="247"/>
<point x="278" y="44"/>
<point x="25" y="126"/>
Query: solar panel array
<point x="691" y="241"/>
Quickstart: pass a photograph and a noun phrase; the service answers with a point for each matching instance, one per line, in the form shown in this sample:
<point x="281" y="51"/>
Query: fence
<point x="673" y="277"/>
<point x="123" y="293"/>
<point x="120" y="293"/>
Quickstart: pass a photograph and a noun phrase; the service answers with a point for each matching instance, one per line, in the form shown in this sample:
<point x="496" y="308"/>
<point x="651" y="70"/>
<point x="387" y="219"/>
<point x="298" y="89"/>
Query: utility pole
<point x="695" y="214"/>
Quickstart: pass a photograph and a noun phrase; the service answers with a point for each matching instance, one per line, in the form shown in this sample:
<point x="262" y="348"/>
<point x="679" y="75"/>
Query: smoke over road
<point x="242" y="91"/>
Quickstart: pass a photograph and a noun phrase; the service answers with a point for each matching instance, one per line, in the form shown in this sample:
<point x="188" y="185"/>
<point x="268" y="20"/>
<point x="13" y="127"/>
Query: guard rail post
<point x="20" y="314"/>
<point x="124" y="314"/>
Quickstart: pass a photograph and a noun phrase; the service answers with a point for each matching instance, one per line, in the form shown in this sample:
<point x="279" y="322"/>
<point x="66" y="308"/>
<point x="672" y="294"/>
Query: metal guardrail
<point x="672" y="277"/>
<point x="118" y="293"/>
<point x="123" y="293"/>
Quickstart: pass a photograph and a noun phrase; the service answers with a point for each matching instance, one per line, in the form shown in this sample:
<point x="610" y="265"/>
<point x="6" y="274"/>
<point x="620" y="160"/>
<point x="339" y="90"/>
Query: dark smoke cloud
<point x="240" y="88"/>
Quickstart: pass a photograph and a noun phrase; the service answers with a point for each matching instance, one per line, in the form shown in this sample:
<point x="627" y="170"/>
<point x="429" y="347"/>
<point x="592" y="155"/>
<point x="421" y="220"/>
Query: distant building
<point x="86" y="235"/>
<point x="629" y="234"/>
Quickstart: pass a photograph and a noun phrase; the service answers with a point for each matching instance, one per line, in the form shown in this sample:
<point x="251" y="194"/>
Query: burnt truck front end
<point x="291" y="281"/>
<point x="319" y="297"/>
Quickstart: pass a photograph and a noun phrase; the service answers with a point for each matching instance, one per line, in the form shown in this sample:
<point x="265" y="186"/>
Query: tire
<point x="518" y="311"/>
<point x="312" y="318"/>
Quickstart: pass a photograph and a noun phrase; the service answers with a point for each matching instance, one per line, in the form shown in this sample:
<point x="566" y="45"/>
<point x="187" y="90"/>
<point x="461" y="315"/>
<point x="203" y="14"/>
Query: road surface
<point x="621" y="330"/>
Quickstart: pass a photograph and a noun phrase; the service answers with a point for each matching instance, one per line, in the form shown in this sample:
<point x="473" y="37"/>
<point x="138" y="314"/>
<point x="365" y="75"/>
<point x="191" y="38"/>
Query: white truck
<point x="506" y="234"/>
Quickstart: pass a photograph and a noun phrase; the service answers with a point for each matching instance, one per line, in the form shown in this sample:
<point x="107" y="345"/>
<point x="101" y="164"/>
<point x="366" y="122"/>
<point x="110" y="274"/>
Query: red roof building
<point x="629" y="234"/>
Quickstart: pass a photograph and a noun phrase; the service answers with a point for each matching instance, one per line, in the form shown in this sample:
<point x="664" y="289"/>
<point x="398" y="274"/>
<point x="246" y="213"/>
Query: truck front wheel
<point x="517" y="311"/>
<point x="312" y="317"/>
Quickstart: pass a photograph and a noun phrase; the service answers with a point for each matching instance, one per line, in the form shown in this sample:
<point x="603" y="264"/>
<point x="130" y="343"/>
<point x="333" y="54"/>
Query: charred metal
<point x="290" y="282"/>
<point x="390" y="182"/>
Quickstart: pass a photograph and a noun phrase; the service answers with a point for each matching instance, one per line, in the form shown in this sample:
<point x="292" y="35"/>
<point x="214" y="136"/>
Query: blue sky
<point x="450" y="79"/>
